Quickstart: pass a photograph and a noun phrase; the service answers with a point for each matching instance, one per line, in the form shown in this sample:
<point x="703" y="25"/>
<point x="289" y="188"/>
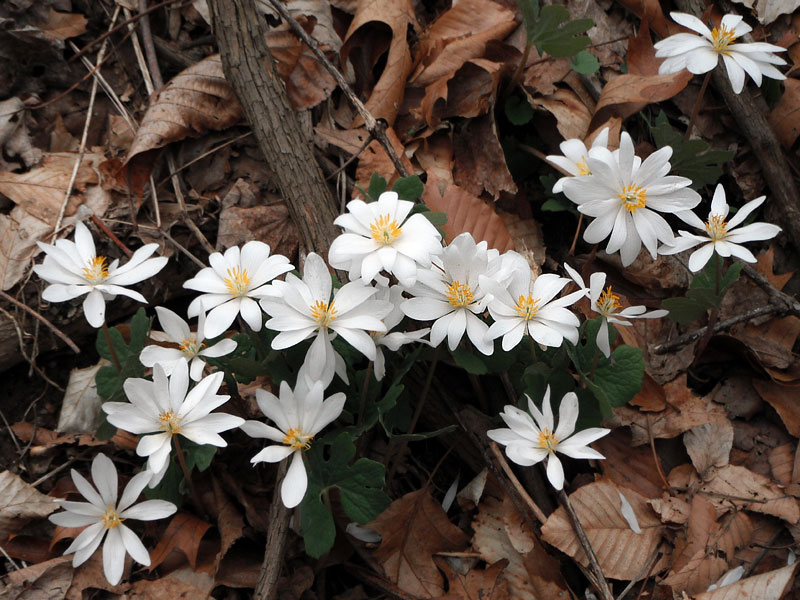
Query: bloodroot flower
<point x="720" y="237"/>
<point x="233" y="284"/>
<point x="574" y="159"/>
<point x="532" y="440"/>
<point x="191" y="346"/>
<point x="74" y="269"/>
<point x="381" y="236"/>
<point x="299" y="416"/>
<point x="701" y="53"/>
<point x="104" y="514"/>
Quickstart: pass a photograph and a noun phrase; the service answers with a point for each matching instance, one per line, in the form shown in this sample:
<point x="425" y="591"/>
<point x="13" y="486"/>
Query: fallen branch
<point x="63" y="336"/>
<point x="276" y="540"/>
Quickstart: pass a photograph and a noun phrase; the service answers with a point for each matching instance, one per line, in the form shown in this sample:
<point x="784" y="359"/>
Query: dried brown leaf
<point x="479" y="161"/>
<point x="771" y="342"/>
<point x="184" y="584"/>
<point x="629" y="466"/>
<point x="672" y="509"/>
<point x="571" y="114"/>
<point x="766" y="268"/>
<point x="622" y="554"/>
<point x="90" y="575"/>
<point x="184" y="533"/>
<point x="781" y="460"/>
<point x="80" y="408"/>
<point x="785" y="117"/>
<point x="47" y="580"/>
<point x="772" y="584"/>
<point x="374" y="159"/>
<point x="467" y="92"/>
<point x="19" y="503"/>
<point x="783" y="399"/>
<point x="61" y="26"/>
<point x="476" y="584"/>
<point x="412" y="529"/>
<point x="709" y="445"/>
<point x="229" y="521"/>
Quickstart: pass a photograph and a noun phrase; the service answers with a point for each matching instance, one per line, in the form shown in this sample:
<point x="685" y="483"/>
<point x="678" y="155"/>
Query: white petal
<point x="295" y="482"/>
<point x="113" y="556"/>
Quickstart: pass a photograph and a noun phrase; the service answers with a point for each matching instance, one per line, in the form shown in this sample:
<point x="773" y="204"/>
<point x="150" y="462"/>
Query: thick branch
<point x="248" y="66"/>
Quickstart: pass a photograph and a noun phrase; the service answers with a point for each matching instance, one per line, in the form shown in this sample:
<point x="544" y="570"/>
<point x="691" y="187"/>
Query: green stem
<point x="114" y="358"/>
<point x="362" y="405"/>
<point x="186" y="474"/>
<point x="533" y="348"/>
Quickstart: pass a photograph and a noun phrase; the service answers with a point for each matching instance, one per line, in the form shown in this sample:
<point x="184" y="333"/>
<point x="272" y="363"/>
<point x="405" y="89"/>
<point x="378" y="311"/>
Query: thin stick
<point x="104" y="228"/>
<point x="276" y="541"/>
<point x="203" y="155"/>
<point x="149" y="46"/>
<point x="594" y="564"/>
<point x="575" y="237"/>
<point x="541" y="156"/>
<point x="111" y="349"/>
<point x="63" y="336"/>
<point x="9" y="559"/>
<point x="501" y="460"/>
<point x="697" y="104"/>
<point x="376" y="128"/>
<point x="656" y="460"/>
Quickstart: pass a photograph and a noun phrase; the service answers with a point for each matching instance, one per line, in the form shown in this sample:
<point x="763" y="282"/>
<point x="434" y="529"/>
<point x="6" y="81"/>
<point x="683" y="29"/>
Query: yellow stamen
<point x="97" y="270"/>
<point x="111" y="518"/>
<point x="717" y="227"/>
<point x="297" y="439"/>
<point x="722" y="38"/>
<point x="633" y="196"/>
<point x="323" y="313"/>
<point x="237" y="282"/>
<point x="459" y="294"/>
<point x="547" y="441"/>
<point x="170" y="422"/>
<point x="527" y="307"/>
<point x="608" y="302"/>
<point x="190" y="347"/>
<point x="385" y="231"/>
<point x="583" y="168"/>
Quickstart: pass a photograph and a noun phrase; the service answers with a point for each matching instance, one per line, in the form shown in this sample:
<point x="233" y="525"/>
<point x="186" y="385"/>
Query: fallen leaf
<point x="184" y="584"/>
<point x="622" y="553"/>
<point x="477" y="584"/>
<point x="769" y="10"/>
<point x="527" y="237"/>
<point x="772" y="584"/>
<point x="91" y="575"/>
<point x="771" y="342"/>
<point x="61" y="26"/>
<point x="652" y="397"/>
<point x="785" y="117"/>
<point x="784" y="400"/>
<point x="766" y="268"/>
<point x="572" y="116"/>
<point x="479" y="162"/>
<point x="19" y="503"/>
<point x="229" y="522"/>
<point x="709" y="445"/>
<point x="48" y="580"/>
<point x="367" y="32"/>
<point x="184" y="533"/>
<point x="781" y="461"/>
<point x="671" y="509"/>
<point x="80" y="408"/>
<point x="629" y="466"/>
<point x="413" y="528"/>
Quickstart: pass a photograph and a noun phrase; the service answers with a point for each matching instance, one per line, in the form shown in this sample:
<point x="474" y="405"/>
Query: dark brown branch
<point x="35" y="314"/>
<point x="249" y="68"/>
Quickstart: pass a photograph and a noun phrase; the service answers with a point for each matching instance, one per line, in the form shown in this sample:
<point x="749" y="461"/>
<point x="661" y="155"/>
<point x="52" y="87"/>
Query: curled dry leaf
<point x="19" y="503"/>
<point x="621" y="552"/>
<point x="771" y="342"/>
<point x="49" y="579"/>
<point x="412" y="529"/>
<point x="772" y="584"/>
<point x="184" y="583"/>
<point x="572" y="116"/>
<point x="671" y="509"/>
<point x="479" y="161"/>
<point x="229" y="521"/>
<point x="184" y="533"/>
<point x="709" y="445"/>
<point x="530" y="575"/>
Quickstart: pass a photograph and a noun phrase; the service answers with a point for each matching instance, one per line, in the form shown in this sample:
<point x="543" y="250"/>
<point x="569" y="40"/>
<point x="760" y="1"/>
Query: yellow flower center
<point x="459" y="294"/>
<point x="717" y="228"/>
<point x="633" y="196"/>
<point x="323" y="313"/>
<point x="298" y="439"/>
<point x="608" y="302"/>
<point x="722" y="38"/>
<point x="237" y="282"/>
<point x="190" y="347"/>
<point x="547" y="441"/>
<point x="527" y="307"/>
<point x="170" y="422"/>
<point x="385" y="231"/>
<point x="111" y="518"/>
<point x="97" y="270"/>
<point x="583" y="168"/>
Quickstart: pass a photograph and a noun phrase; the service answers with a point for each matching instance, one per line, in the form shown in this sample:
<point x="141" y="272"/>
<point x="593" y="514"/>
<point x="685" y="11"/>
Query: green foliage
<point x="377" y="185"/>
<point x="551" y="31"/>
<point x="359" y="490"/>
<point x="518" y="110"/>
<point x="585" y="63"/>
<point x="690" y="158"/>
<point x="470" y="361"/>
<point x="408" y="188"/>
<point x="109" y="381"/>
<point x="703" y="293"/>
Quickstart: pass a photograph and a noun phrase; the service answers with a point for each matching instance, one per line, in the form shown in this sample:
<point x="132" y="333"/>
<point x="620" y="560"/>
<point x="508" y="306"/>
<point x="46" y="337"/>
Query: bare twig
<point x="376" y="128"/>
<point x="276" y="541"/>
<point x="63" y="336"/>
<point x="28" y="359"/>
<point x="104" y="228"/>
<point x="501" y="460"/>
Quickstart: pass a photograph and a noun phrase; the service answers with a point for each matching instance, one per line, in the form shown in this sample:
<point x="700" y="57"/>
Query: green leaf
<point x="551" y="31"/>
<point x="105" y="430"/>
<point x="140" y="327"/>
<point x="247" y="367"/>
<point x="585" y="63"/>
<point x="117" y="341"/>
<point x="408" y="188"/>
<point x="438" y="219"/>
<point x="684" y="310"/>
<point x="316" y="525"/>
<point x="530" y="14"/>
<point x="469" y="361"/>
<point x="171" y="485"/>
<point x="198" y="456"/>
<point x="377" y="185"/>
<point x="518" y="110"/>
<point x="418" y="437"/>
<point x="556" y="205"/>
<point x="108" y="382"/>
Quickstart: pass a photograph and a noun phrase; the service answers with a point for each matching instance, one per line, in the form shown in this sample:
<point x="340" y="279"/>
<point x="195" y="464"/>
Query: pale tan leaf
<point x="784" y="400"/>
<point x="412" y="529"/>
<point x="319" y="10"/>
<point x="61" y="26"/>
<point x="527" y="238"/>
<point x="20" y="502"/>
<point x="572" y="116"/>
<point x="46" y="580"/>
<point x="766" y="586"/>
<point x="709" y="445"/>
<point x="476" y="584"/>
<point x="182" y="584"/>
<point x="307" y="80"/>
<point x="785" y="117"/>
<point x="374" y="159"/>
<point x="621" y="552"/>
<point x="80" y="408"/>
<point x="781" y="461"/>
<point x="672" y="509"/>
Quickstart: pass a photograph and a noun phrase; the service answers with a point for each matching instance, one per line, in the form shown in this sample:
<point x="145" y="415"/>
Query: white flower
<point x="378" y="236"/>
<point x="305" y="308"/>
<point x="700" y="54"/>
<point x="449" y="293"/>
<point x="163" y="408"/>
<point x="74" y="269"/>
<point x="233" y="284"/>
<point x="102" y="513"/>
<point x="606" y="303"/>
<point x="394" y="340"/>
<point x="719" y="236"/>
<point x="532" y="308"/>
<point x="623" y="195"/>
<point x="190" y="345"/>
<point x="299" y="416"/>
<point x="574" y="159"/>
<point x="531" y="440"/>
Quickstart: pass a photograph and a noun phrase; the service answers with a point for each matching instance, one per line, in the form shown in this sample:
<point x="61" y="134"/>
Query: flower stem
<point x="713" y="314"/>
<point x="533" y="348"/>
<point x="186" y="474"/>
<point x="697" y="104"/>
<point x="512" y="85"/>
<point x="364" y="391"/>
<point x="114" y="358"/>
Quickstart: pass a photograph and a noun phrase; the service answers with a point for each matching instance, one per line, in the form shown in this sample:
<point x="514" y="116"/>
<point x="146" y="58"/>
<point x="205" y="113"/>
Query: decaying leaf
<point x="479" y="161"/>
<point x="629" y="466"/>
<point x="709" y="445"/>
<point x="19" y="503"/>
<point x="374" y="159"/>
<point x="784" y="400"/>
<point x="49" y="579"/>
<point x="61" y="26"/>
<point x="476" y="584"/>
<point x="80" y="408"/>
<point x="622" y="553"/>
<point x="184" y="533"/>
<point x="785" y="117"/>
<point x="772" y="584"/>
<point x="781" y="461"/>
<point x="414" y="528"/>
<point x="184" y="584"/>
<point x="572" y="116"/>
